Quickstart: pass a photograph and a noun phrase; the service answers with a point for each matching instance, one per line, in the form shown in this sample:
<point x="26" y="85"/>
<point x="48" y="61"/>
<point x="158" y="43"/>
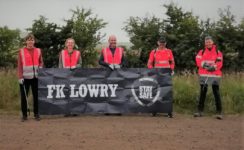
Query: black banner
<point x="99" y="90"/>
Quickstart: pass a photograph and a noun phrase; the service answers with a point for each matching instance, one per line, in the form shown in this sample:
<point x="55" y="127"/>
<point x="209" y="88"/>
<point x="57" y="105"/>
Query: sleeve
<point x="101" y="61"/>
<point x="219" y="63"/>
<point x="20" y="66"/>
<point x="60" y="62"/>
<point x="199" y="59"/>
<point x="151" y="59"/>
<point x="41" y="63"/>
<point x="79" y="63"/>
<point x="123" y="61"/>
<point x="171" y="60"/>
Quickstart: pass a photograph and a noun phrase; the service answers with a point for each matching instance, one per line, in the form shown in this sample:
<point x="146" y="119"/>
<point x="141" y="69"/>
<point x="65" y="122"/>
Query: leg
<point x="203" y="93"/>
<point x="24" y="88"/>
<point x="217" y="98"/>
<point x="154" y="114"/>
<point x="170" y="115"/>
<point x="23" y="101"/>
<point x="34" y="88"/>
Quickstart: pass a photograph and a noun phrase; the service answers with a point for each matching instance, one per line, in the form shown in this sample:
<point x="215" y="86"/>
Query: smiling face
<point x="30" y="41"/>
<point x="208" y="43"/>
<point x="112" y="41"/>
<point x="70" y="43"/>
<point x="161" y="45"/>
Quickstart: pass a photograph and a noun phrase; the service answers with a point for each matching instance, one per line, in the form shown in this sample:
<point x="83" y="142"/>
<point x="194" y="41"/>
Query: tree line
<point x="183" y="30"/>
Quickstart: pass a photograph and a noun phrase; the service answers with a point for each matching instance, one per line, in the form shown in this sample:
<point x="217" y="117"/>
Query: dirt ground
<point x="127" y="132"/>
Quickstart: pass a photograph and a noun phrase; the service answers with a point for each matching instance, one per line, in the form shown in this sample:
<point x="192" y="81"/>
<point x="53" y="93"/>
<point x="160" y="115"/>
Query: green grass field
<point x="187" y="89"/>
<point x="9" y="91"/>
<point x="186" y="92"/>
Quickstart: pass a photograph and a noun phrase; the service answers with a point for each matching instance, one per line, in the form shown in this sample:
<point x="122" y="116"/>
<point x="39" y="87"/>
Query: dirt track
<point x="137" y="132"/>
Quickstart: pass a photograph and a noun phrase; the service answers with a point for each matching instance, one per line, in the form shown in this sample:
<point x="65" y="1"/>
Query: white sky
<point x="21" y="13"/>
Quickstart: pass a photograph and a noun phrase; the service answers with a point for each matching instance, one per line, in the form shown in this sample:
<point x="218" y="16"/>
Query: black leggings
<point x="33" y="83"/>
<point x="203" y="93"/>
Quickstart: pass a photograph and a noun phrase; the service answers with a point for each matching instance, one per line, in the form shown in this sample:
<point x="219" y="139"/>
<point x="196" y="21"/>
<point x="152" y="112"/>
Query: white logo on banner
<point x="93" y="90"/>
<point x="143" y="91"/>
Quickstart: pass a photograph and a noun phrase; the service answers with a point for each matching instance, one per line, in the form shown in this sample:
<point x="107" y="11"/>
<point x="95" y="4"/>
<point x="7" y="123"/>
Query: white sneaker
<point x="198" y="114"/>
<point x="219" y="116"/>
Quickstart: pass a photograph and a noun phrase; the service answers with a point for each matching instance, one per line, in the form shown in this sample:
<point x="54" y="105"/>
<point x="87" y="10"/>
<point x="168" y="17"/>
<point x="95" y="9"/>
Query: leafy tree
<point x="181" y="30"/>
<point x="132" y="58"/>
<point x="143" y="33"/>
<point x="84" y="28"/>
<point x="208" y="29"/>
<point x="183" y="33"/>
<point x="240" y="46"/>
<point x="48" y="39"/>
<point x="9" y="44"/>
<point x="227" y="38"/>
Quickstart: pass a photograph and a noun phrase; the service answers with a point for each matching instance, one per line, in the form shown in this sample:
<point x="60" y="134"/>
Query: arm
<point x="79" y="63"/>
<point x="101" y="61"/>
<point x="151" y="59"/>
<point x="219" y="61"/>
<point x="60" y="62"/>
<point x="41" y="63"/>
<point x="171" y="60"/>
<point x="199" y="59"/>
<point x="123" y="62"/>
<point x="20" y="66"/>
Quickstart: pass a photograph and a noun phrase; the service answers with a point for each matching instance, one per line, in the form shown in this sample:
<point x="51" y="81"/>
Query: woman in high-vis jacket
<point x="29" y="61"/>
<point x="70" y="58"/>
<point x="209" y="62"/>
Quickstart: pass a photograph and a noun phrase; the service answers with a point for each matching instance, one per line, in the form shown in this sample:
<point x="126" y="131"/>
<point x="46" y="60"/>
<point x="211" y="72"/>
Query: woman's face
<point x="30" y="43"/>
<point x="208" y="43"/>
<point x="70" y="44"/>
<point x="162" y="45"/>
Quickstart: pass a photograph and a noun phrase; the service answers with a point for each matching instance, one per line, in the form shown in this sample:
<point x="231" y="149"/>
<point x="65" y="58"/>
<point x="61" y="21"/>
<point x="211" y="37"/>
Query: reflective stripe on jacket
<point x="70" y="60"/>
<point x="211" y="57"/>
<point x="30" y="62"/>
<point x="161" y="59"/>
<point x="113" y="59"/>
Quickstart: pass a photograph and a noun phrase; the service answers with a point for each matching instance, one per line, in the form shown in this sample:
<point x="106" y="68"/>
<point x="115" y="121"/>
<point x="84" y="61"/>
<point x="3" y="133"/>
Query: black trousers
<point x="203" y="93"/>
<point x="33" y="83"/>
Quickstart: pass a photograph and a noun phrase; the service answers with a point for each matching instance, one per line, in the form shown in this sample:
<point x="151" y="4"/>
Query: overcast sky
<point x="21" y="13"/>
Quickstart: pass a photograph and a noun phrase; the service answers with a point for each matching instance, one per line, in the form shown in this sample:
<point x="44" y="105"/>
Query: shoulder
<point x="169" y="50"/>
<point x="38" y="49"/>
<point x="63" y="50"/>
<point x="121" y="48"/>
<point x="21" y="49"/>
<point x="152" y="51"/>
<point x="200" y="51"/>
<point x="104" y="48"/>
<point x="219" y="51"/>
